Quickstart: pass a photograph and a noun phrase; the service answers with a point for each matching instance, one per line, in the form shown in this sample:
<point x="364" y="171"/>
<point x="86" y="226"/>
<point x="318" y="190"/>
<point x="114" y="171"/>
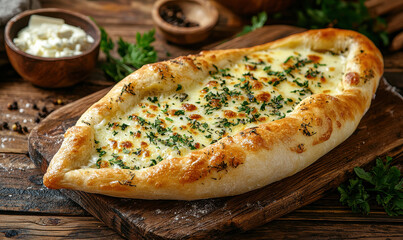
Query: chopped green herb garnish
<point x="152" y="99"/>
<point x="123" y="126"/>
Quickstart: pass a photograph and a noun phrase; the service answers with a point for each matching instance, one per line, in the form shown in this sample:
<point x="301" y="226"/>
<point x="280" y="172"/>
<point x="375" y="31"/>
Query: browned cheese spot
<point x="212" y="84"/>
<point x="229" y="114"/>
<point x="104" y="164"/>
<point x="143" y="104"/>
<point x="262" y="119"/>
<point x="154" y="108"/>
<point x="143" y="145"/>
<point x="172" y="112"/>
<point x="126" y="144"/>
<point x="256" y="85"/>
<point x="352" y="78"/>
<point x="163" y="123"/>
<point x="314" y="58"/>
<point x="195" y="116"/>
<point x="250" y="67"/>
<point x="263" y="97"/>
<point x="189" y="107"/>
<point x="269" y="59"/>
<point x="215" y="103"/>
<point x="114" y="143"/>
<point x="146" y="153"/>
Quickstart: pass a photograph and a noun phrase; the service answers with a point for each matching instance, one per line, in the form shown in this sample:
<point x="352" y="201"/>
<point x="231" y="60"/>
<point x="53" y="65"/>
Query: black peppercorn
<point x="12" y="106"/>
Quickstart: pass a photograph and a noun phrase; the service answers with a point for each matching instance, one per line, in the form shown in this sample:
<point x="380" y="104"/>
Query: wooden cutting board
<point x="379" y="133"/>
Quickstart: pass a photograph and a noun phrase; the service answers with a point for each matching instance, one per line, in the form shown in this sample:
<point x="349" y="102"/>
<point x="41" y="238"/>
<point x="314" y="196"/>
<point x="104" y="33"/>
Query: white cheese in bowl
<point x="51" y="37"/>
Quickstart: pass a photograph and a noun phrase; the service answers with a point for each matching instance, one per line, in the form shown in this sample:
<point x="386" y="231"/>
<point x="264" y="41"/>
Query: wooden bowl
<point x="52" y="72"/>
<point x="253" y="7"/>
<point x="197" y="11"/>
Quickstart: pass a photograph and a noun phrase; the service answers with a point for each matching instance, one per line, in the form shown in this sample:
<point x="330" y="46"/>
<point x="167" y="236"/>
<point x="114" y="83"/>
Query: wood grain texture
<point x="296" y="225"/>
<point x="21" y="189"/>
<point x="54" y="227"/>
<point x="379" y="133"/>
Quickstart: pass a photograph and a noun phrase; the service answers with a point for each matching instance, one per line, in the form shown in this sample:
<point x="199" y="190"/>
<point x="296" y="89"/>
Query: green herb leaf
<point x="257" y="22"/>
<point x="133" y="56"/>
<point x="361" y="173"/>
<point x="354" y="15"/>
<point x="383" y="184"/>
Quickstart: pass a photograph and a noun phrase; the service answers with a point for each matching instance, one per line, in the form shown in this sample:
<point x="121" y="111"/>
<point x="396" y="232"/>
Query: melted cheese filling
<point x="261" y="87"/>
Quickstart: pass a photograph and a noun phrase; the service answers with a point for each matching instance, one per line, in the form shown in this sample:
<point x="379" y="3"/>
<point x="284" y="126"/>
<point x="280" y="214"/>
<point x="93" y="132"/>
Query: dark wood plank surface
<point x="23" y="197"/>
<point x="201" y="219"/>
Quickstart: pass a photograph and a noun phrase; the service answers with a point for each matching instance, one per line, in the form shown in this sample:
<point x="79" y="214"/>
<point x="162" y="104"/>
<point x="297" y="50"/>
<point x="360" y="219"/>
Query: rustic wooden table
<point x="28" y="210"/>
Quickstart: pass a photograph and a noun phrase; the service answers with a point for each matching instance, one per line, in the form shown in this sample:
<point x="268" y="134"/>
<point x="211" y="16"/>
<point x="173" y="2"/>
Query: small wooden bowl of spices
<point x="184" y="21"/>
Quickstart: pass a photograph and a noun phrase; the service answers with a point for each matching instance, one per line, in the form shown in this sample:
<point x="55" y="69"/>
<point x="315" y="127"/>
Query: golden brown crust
<point x="248" y="160"/>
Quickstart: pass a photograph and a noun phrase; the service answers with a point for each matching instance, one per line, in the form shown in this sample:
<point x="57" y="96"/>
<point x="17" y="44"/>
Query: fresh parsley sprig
<point x="343" y="14"/>
<point x="133" y="56"/>
<point x="383" y="184"/>
<point x="257" y="22"/>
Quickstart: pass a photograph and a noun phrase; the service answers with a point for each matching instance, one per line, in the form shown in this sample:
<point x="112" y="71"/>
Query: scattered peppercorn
<point x="37" y="120"/>
<point x="25" y="129"/>
<point x="42" y="115"/>
<point x="5" y="126"/>
<point x="17" y="127"/>
<point x="35" y="107"/>
<point x="58" y="101"/>
<point x="174" y="15"/>
<point x="44" y="109"/>
<point x="12" y="106"/>
<point x="44" y="112"/>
